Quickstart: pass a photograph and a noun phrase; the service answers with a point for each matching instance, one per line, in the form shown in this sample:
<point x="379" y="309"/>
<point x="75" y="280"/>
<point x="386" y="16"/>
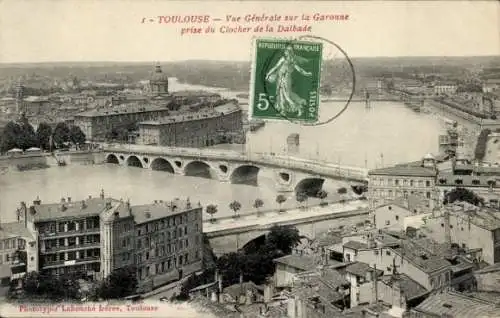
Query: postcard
<point x="249" y="158"/>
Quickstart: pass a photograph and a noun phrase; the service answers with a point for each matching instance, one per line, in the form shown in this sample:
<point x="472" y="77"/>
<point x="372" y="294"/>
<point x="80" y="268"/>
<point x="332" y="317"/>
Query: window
<point x="185" y="230"/>
<point x="442" y="224"/>
<point x="387" y="222"/>
<point x="428" y="195"/>
<point x="396" y="182"/>
<point x="397" y="217"/>
<point x="388" y="253"/>
<point x="427" y="183"/>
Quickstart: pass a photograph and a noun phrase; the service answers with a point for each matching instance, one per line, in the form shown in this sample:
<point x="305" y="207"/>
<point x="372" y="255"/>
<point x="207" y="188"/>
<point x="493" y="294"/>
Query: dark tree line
<point x="120" y="283"/>
<point x="23" y="136"/>
<point x="463" y="195"/>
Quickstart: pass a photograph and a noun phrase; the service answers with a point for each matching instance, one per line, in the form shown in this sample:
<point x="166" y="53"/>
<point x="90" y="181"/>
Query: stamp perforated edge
<point x="253" y="70"/>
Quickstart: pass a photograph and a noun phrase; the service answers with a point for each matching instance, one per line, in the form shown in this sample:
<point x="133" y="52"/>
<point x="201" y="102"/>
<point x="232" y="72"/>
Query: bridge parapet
<point x="281" y="161"/>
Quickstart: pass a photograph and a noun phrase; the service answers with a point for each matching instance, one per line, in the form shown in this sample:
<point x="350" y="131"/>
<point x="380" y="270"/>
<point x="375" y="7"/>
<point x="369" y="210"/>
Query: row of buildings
<point x="430" y="179"/>
<point x="154" y="116"/>
<point x="94" y="236"/>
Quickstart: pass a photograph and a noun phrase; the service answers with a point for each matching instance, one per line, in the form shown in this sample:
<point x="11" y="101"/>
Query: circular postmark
<point x="334" y="76"/>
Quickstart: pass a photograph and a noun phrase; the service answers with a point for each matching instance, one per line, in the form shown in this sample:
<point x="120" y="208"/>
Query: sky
<point x="111" y="30"/>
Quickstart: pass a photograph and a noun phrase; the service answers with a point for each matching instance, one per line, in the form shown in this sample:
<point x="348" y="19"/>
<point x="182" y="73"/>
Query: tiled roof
<point x="128" y="109"/>
<point x="410" y="288"/>
<point x="191" y="116"/>
<point x="355" y="245"/>
<point x="302" y="262"/>
<point x="14" y="229"/>
<point x="420" y="257"/>
<point x="404" y="170"/>
<point x="457" y="305"/>
<point x="52" y="211"/>
<point x="160" y="209"/>
<point x="360" y="269"/>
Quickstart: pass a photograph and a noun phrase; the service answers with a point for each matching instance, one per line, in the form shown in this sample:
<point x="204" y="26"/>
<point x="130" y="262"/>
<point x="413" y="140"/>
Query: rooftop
<point x="13" y="230"/>
<point x="454" y="304"/>
<point x="360" y="269"/>
<point x="129" y="109"/>
<point x="302" y="262"/>
<point x="410" y="288"/>
<point x="191" y="116"/>
<point x="88" y="207"/>
<point x="194" y="93"/>
<point x="420" y="257"/>
<point x="485" y="218"/>
<point x="355" y="245"/>
<point x="161" y="209"/>
<point x="236" y="289"/>
<point x="405" y="170"/>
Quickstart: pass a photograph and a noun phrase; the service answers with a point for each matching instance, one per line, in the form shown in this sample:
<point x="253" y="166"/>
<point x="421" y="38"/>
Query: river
<point x="384" y="134"/>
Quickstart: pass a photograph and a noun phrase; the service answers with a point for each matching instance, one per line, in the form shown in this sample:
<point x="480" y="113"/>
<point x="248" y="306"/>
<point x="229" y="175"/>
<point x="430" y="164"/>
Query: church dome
<point x="158" y="75"/>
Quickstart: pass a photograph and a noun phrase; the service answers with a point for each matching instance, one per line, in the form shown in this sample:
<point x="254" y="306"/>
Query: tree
<point x="283" y="238"/>
<point x="280" y="199"/>
<point x="211" y="209"/>
<point x="257" y="204"/>
<point x="27" y="136"/>
<point x="10" y="135"/>
<point x="61" y="134"/>
<point x="322" y="196"/>
<point x="301" y="197"/>
<point x="76" y="136"/>
<point x="122" y="282"/>
<point x="235" y="206"/>
<point x="463" y="195"/>
<point x="43" y="133"/>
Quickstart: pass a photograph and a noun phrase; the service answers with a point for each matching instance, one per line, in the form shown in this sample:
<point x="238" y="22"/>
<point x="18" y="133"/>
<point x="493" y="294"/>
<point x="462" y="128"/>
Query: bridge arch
<point x="246" y="174"/>
<point x="199" y="169"/>
<point x="112" y="158"/>
<point x="310" y="186"/>
<point x="161" y="164"/>
<point x="134" y="161"/>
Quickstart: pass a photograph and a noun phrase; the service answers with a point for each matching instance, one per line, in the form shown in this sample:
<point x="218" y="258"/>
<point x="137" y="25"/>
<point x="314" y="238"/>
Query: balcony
<point x="50" y="235"/>
<point x="71" y="262"/>
<point x="69" y="247"/>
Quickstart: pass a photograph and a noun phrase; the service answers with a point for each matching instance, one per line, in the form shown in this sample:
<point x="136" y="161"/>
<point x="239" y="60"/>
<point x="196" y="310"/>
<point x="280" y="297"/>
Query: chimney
<point x="102" y="194"/>
<point x="69" y="199"/>
<point x="147" y="214"/>
<point x="108" y="205"/>
<point x="63" y="207"/>
<point x="371" y="241"/>
<point x="63" y="200"/>
<point x="90" y="197"/>
<point x="129" y="209"/>
<point x="219" y="288"/>
<point x="83" y="205"/>
<point x="374" y="285"/>
<point x="37" y="201"/>
<point x="447" y="229"/>
<point x="188" y="203"/>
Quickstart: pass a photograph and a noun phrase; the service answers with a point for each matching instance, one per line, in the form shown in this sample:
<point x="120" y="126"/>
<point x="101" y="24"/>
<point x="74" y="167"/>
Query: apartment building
<point x="401" y="181"/>
<point x="169" y="242"/>
<point x="92" y="237"/>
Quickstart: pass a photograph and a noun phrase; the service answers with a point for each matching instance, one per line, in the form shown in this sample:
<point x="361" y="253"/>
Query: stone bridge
<point x="289" y="173"/>
<point x="230" y="235"/>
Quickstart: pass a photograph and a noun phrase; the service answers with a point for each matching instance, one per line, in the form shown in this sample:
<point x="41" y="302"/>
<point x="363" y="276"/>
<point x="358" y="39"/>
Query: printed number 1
<point x="263" y="103"/>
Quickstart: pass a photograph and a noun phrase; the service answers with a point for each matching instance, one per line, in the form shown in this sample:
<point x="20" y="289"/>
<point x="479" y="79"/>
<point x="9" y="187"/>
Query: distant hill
<point x="235" y="75"/>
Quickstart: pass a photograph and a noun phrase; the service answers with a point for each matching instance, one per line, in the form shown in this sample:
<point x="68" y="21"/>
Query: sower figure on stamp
<point x="286" y="99"/>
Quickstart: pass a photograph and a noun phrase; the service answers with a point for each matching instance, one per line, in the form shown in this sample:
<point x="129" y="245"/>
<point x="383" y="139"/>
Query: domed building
<point x="158" y="82"/>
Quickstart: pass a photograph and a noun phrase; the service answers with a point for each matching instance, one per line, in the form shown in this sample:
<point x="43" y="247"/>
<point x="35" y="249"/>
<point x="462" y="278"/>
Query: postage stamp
<point x="285" y="80"/>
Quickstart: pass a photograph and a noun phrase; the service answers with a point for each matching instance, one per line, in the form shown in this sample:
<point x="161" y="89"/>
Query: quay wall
<point x="44" y="160"/>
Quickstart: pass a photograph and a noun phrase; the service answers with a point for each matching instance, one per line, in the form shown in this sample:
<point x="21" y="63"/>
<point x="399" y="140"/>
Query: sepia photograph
<point x="249" y="159"/>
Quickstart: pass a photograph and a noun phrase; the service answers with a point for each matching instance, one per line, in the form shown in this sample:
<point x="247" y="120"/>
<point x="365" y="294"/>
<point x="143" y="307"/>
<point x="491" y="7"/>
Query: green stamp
<point x="286" y="80"/>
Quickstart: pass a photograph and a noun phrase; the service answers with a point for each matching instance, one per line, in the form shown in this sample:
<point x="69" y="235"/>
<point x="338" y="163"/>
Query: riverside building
<point x="95" y="236"/>
<point x="194" y="129"/>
